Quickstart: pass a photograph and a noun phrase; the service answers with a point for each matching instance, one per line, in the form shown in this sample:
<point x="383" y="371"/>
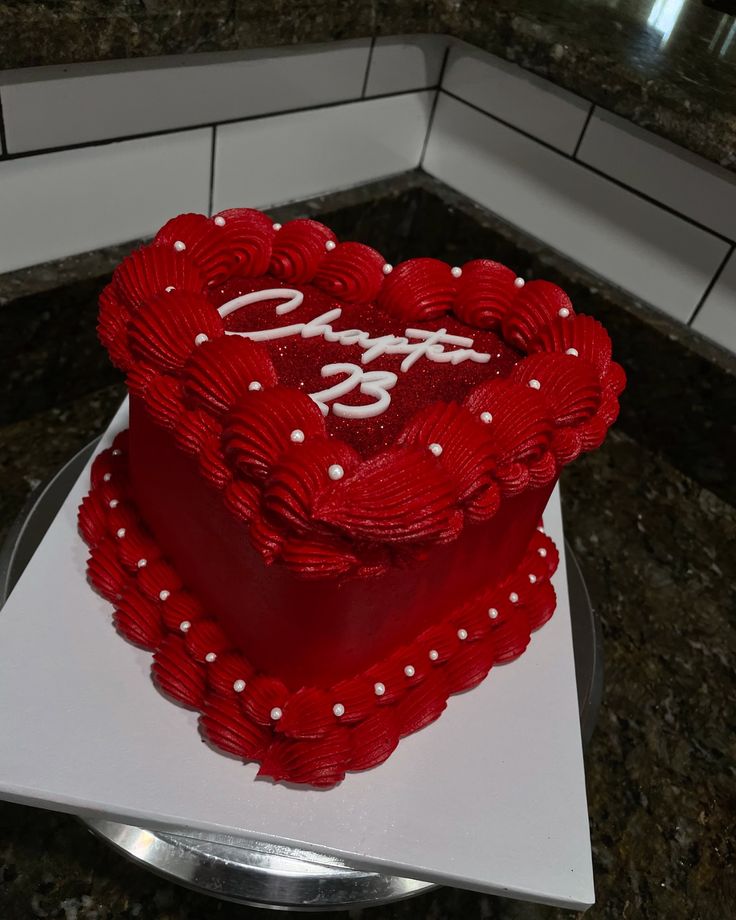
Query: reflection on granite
<point x="659" y="556"/>
<point x="658" y="550"/>
<point x="667" y="66"/>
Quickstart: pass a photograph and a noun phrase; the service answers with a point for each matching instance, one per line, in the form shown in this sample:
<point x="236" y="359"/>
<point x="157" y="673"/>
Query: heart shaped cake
<point x="324" y="518"/>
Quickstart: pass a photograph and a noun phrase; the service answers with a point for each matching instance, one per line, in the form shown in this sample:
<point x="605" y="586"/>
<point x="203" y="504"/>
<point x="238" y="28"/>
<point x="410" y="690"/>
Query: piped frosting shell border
<point x="315" y="735"/>
<point x="161" y="327"/>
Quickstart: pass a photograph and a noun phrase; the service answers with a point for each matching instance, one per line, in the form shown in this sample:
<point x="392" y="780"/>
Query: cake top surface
<point x="349" y="411"/>
<point x="358" y="362"/>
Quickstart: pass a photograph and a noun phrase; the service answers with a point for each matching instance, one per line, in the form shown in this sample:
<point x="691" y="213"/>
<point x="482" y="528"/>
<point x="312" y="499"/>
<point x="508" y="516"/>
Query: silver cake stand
<point x="248" y="871"/>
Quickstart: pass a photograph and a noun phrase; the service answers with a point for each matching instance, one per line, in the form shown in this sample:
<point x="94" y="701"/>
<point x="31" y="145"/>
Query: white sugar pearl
<point x="117" y="452"/>
<point x="519" y="282"/>
<point x="330" y="245"/>
<point x="486" y="418"/>
<point x="433" y="654"/>
<point x="563" y="312"/>
<point x="435" y="449"/>
<point x="493" y="613"/>
<point x="201" y="338"/>
<point x="335" y="471"/>
<point x="170" y="288"/>
<point x="180" y="246"/>
<point x="379" y="689"/>
<point x="532" y="578"/>
<point x="276" y="713"/>
<point x="535" y="384"/>
<point x="338" y="709"/>
<point x="462" y="634"/>
<point x="514" y="597"/>
<point x="387" y="268"/>
<point x="220" y="221"/>
<point x="120" y="533"/>
<point x="277" y="227"/>
<point x="164" y="595"/>
<point x="142" y="563"/>
<point x="210" y="657"/>
<point x="572" y="351"/>
<point x="239" y="686"/>
<point x="409" y="670"/>
<point x="107" y="477"/>
<point x="113" y="503"/>
<point x="456" y="272"/>
<point x="542" y="552"/>
<point x="254" y="386"/>
<point x="185" y="626"/>
<point x="297" y="436"/>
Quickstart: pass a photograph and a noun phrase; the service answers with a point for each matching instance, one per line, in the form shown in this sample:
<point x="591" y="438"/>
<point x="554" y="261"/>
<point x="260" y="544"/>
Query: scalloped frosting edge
<point x="559" y="401"/>
<point x="315" y="735"/>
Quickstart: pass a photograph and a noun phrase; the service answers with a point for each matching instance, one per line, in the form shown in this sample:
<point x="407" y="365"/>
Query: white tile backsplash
<point x="658" y="168"/>
<point x="654" y="254"/>
<point x="56" y="204"/>
<point x="717" y="317"/>
<point x="405" y="62"/>
<point x="78" y="109"/>
<point x="524" y="100"/>
<point x="269" y="161"/>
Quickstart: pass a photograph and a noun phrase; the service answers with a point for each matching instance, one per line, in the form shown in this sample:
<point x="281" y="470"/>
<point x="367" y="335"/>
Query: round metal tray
<point x="248" y="871"/>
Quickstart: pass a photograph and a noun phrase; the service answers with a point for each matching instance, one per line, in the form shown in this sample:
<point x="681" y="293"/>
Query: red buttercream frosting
<point x="213" y="374"/>
<point x="237" y="241"/>
<point x="351" y="272"/>
<point x="310" y="735"/>
<point x="486" y="292"/>
<point x="298" y="250"/>
<point x="419" y="289"/>
<point x="318" y="584"/>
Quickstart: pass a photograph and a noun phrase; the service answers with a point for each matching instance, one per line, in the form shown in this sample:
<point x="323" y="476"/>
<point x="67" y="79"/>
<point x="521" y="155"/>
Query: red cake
<point x="324" y="518"/>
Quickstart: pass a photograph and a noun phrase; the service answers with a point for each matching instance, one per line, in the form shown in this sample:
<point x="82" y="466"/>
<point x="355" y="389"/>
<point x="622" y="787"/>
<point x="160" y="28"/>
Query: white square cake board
<point x="490" y="797"/>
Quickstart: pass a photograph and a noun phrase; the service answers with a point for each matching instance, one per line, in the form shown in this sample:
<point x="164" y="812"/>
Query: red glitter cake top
<point x="354" y="414"/>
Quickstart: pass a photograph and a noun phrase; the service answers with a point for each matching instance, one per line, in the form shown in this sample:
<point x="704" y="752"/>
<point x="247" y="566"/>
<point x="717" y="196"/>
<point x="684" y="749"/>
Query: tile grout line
<point x="212" y="168"/>
<point x="593" y="169"/>
<point x="583" y="130"/>
<point x="3" y="138"/>
<point x="104" y="142"/>
<point x="711" y="284"/>
<point x="368" y="67"/>
<point x="430" y="120"/>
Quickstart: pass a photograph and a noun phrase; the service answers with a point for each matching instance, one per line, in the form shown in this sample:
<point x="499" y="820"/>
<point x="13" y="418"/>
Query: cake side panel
<point x="308" y="632"/>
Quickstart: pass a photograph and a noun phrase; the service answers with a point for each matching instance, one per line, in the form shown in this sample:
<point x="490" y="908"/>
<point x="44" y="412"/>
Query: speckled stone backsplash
<point x="651" y="518"/>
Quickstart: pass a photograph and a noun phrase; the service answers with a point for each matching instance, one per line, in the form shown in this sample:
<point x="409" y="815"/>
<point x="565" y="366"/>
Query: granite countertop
<point x="651" y="517"/>
<point x="667" y="65"/>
